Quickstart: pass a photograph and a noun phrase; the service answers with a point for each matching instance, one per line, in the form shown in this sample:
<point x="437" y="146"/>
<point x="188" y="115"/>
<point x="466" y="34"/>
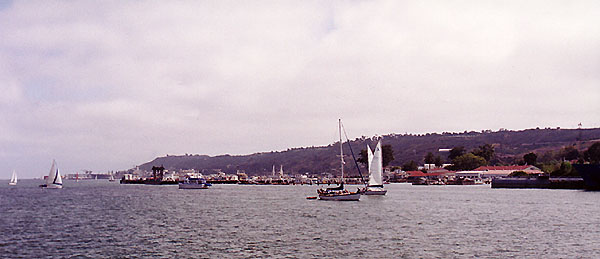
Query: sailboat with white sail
<point x="339" y="193"/>
<point x="375" y="161"/>
<point x="54" y="180"/>
<point x="13" y="178"/>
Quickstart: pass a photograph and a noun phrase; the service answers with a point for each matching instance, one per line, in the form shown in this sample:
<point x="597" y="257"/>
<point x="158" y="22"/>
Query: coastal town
<point x="533" y="158"/>
<point x="467" y="168"/>
<point x="428" y="174"/>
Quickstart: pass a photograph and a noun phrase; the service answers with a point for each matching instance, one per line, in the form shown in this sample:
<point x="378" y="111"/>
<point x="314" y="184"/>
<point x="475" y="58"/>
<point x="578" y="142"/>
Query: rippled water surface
<point x="105" y="219"/>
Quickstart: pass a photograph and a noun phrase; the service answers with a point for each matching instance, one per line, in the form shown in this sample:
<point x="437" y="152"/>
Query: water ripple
<point x="97" y="219"/>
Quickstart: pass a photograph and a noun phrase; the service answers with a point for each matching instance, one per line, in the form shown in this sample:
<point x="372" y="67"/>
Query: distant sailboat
<point x="13" y="178"/>
<point x="375" y="160"/>
<point x="111" y="178"/>
<point x="339" y="193"/>
<point x="54" y="180"/>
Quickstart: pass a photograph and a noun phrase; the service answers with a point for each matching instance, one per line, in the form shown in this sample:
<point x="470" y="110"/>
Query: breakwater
<point x="539" y="183"/>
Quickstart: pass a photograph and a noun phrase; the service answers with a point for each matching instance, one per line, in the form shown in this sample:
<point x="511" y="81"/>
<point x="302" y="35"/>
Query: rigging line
<point x="352" y="152"/>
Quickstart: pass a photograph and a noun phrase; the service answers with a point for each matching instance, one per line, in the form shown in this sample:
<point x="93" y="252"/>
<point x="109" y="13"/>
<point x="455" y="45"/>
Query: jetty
<point x="539" y="182"/>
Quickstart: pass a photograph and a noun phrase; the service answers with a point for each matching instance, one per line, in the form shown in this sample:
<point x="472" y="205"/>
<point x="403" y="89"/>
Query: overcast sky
<point x="106" y="85"/>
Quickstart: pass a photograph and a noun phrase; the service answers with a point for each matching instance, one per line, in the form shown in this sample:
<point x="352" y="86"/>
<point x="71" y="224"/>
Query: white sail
<point x="13" y="178"/>
<point x="58" y="178"/>
<point x="54" y="180"/>
<point x="369" y="157"/>
<point x="51" y="174"/>
<point x="376" y="167"/>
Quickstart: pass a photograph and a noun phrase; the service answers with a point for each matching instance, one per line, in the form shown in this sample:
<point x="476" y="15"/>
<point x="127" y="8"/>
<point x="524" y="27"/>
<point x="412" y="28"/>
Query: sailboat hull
<point x="11" y="183"/>
<point x="52" y="186"/>
<point x="192" y="186"/>
<point x="340" y="197"/>
<point x="339" y="193"/>
<point x="374" y="192"/>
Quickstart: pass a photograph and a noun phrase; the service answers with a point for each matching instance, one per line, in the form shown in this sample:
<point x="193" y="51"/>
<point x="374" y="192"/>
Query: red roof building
<point x="507" y="167"/>
<point x="499" y="171"/>
<point x="415" y="174"/>
<point x="435" y="174"/>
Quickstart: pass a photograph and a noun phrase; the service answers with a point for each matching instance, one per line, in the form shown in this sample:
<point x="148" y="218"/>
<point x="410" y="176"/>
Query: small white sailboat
<point x="111" y="178"/>
<point x="375" y="160"/>
<point x="13" y="178"/>
<point x="54" y="180"/>
<point x="339" y="193"/>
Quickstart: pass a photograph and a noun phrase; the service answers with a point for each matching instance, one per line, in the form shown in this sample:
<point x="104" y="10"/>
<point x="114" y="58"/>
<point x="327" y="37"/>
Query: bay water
<point x="101" y="219"/>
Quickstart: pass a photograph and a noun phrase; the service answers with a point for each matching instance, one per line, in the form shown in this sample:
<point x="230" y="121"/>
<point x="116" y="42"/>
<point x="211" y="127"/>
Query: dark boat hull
<point x="372" y="191"/>
<point x="590" y="174"/>
<point x="340" y="197"/>
<point x="368" y="192"/>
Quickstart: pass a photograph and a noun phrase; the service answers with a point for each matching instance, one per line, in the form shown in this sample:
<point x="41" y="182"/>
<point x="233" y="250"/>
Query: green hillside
<point x="510" y="146"/>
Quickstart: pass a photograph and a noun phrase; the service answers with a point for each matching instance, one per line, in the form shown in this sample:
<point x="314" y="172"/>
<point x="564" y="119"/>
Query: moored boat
<point x="194" y="183"/>
<point x="339" y="193"/>
<point x="375" y="163"/>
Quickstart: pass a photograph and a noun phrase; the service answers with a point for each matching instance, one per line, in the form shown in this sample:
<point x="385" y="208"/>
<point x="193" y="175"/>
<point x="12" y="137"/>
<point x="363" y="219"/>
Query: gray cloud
<point x="104" y="86"/>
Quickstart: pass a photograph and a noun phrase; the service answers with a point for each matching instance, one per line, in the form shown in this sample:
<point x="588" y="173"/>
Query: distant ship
<point x="590" y="174"/>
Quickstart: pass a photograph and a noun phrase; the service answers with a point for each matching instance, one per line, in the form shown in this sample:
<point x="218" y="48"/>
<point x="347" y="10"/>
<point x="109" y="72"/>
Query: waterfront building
<point x="470" y="174"/>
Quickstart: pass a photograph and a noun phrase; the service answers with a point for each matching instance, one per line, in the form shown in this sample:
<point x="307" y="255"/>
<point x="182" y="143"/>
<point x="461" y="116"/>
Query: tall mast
<point x="341" y="150"/>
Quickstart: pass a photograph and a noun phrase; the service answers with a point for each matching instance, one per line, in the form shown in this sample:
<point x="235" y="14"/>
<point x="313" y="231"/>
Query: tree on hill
<point x="429" y="158"/>
<point x="388" y="154"/>
<point x="565" y="170"/>
<point x="438" y="161"/>
<point x="386" y="151"/>
<point x="410" y="166"/>
<point x="592" y="155"/>
<point x="486" y="151"/>
<point x="467" y="162"/>
<point x="363" y="157"/>
<point x="569" y="153"/>
<point x="530" y="158"/>
<point x="456" y="152"/>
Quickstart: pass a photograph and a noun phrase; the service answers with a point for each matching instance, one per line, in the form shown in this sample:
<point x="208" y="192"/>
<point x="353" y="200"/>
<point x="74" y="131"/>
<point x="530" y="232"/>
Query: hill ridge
<point x="509" y="146"/>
